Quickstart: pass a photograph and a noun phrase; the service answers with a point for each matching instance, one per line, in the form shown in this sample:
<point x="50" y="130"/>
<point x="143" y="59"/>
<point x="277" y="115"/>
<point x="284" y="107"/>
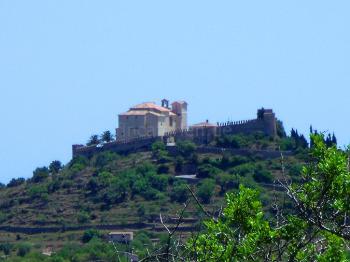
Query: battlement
<point x="203" y="133"/>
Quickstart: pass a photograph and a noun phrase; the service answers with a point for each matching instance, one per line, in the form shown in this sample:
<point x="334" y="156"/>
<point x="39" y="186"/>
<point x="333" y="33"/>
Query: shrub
<point x="90" y="234"/>
<point x="186" y="148"/>
<point x="243" y="169"/>
<point x="6" y="248"/>
<point x="40" y="174"/>
<point x="150" y="194"/>
<point x="83" y="217"/>
<point x="262" y="175"/>
<point x="38" y="191"/>
<point x="160" y="182"/>
<point x="179" y="162"/>
<point x="295" y="170"/>
<point x="16" y="182"/>
<point x="104" y="158"/>
<point x="180" y="192"/>
<point x="206" y="190"/>
<point x="227" y="181"/>
<point x="207" y="170"/>
<point x="23" y="249"/>
<point x="158" y="147"/>
<point x="55" y="166"/>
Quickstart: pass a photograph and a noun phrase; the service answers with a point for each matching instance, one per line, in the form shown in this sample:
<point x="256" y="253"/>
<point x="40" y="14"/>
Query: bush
<point x="263" y="176"/>
<point x="3" y="217"/>
<point x="186" y="148"/>
<point x="16" y="182"/>
<point x="23" y="249"/>
<point x="207" y="170"/>
<point x="90" y="234"/>
<point x="244" y="169"/>
<point x="6" y="248"/>
<point x="232" y="141"/>
<point x="295" y="170"/>
<point x="38" y="191"/>
<point x="179" y="163"/>
<point x="55" y="166"/>
<point x="206" y="190"/>
<point x="83" y="217"/>
<point x="40" y="174"/>
<point x="180" y="192"/>
<point x="160" y="182"/>
<point x="104" y="158"/>
<point x="226" y="182"/>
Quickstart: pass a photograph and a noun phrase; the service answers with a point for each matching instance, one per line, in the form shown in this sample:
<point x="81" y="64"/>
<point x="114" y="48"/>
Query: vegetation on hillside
<point x="134" y="189"/>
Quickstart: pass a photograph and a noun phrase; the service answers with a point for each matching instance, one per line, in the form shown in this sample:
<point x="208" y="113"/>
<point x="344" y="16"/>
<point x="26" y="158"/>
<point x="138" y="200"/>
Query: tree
<point x="107" y="136"/>
<point x="180" y="192"/>
<point x="55" y="166"/>
<point x="16" y="182"/>
<point x="90" y="234"/>
<point x="40" y="174"/>
<point x="6" y="248"/>
<point x="334" y="140"/>
<point x="23" y="249"/>
<point x="206" y="190"/>
<point x="94" y="140"/>
<point x="317" y="231"/>
<point x="280" y="129"/>
<point x="186" y="148"/>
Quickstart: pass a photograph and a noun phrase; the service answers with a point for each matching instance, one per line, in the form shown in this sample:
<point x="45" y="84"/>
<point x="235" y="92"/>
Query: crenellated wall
<point x="265" y="122"/>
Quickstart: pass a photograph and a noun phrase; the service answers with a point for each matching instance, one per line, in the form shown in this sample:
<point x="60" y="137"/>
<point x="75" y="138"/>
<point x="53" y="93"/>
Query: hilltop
<point x="128" y="191"/>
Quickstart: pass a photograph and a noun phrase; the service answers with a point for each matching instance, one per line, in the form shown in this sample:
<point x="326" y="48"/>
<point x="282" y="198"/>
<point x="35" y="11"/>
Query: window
<point x="171" y="121"/>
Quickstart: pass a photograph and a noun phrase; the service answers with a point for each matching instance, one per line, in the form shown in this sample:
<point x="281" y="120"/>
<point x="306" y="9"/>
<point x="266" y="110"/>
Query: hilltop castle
<point x="148" y="122"/>
<point x="149" y="119"/>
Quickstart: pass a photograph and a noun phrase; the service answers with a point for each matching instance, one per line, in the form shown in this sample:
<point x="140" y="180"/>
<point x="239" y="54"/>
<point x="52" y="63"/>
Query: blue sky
<point x="67" y="68"/>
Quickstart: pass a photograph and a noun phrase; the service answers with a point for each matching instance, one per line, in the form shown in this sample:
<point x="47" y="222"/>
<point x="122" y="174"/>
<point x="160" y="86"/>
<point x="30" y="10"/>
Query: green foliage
<point x="106" y="136"/>
<point x="207" y="170"/>
<point x="40" y="174"/>
<point x="90" y="234"/>
<point x="206" y="190"/>
<point x="280" y="129"/>
<point x="93" y="140"/>
<point x="16" y="182"/>
<point x="6" y="248"/>
<point x="180" y="192"/>
<point x="186" y="148"/>
<point x="104" y="158"/>
<point x="55" y="166"/>
<point x="227" y="182"/>
<point x="38" y="191"/>
<point x="231" y="141"/>
<point x="23" y="249"/>
<point x="158" y="146"/>
<point x="160" y="182"/>
<point x="262" y="175"/>
<point x="83" y="217"/>
<point x="315" y="233"/>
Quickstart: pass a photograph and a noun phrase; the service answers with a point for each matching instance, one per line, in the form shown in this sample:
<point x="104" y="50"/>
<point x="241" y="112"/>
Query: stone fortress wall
<point x="265" y="122"/>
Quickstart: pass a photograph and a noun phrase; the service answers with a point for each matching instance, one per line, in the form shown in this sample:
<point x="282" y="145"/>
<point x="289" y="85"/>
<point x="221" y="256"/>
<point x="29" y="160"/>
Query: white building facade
<point x="150" y="120"/>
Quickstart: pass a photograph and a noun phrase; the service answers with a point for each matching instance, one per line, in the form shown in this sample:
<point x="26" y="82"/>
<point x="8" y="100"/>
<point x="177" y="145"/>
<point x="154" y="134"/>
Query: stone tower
<point x="267" y="116"/>
<point x="180" y="109"/>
